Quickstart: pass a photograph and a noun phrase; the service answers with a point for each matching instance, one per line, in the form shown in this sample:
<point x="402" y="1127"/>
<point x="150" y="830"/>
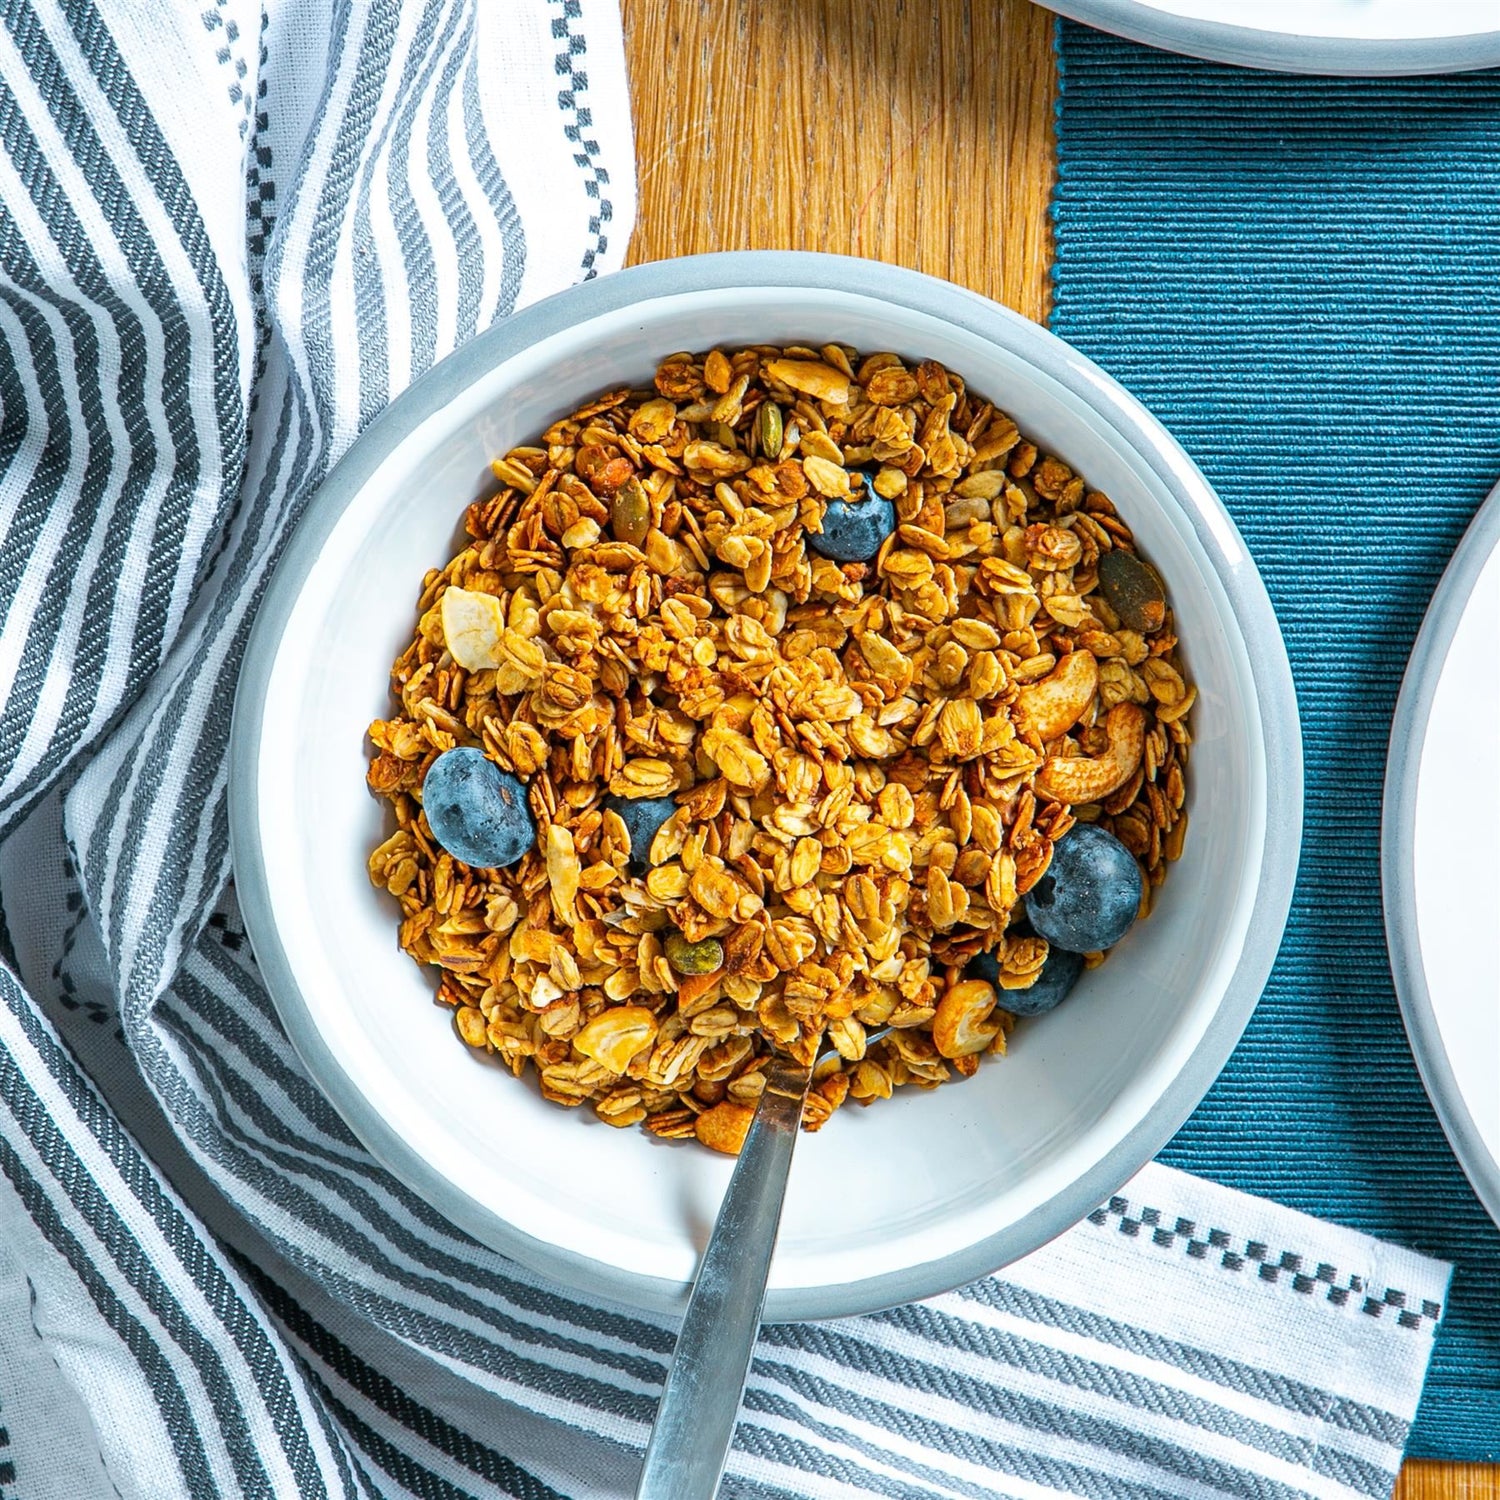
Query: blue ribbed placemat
<point x="1301" y="278"/>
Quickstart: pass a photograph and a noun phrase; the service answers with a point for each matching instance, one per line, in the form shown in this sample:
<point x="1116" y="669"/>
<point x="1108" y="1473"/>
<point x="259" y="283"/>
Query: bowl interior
<point x="879" y="1191"/>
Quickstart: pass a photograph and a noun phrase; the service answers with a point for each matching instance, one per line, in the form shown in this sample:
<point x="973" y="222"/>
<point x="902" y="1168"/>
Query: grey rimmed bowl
<point x="900" y="1201"/>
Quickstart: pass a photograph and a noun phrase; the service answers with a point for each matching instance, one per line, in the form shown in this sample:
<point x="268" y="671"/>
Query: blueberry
<point x="643" y="817"/>
<point x="854" y="529"/>
<point x="983" y="966"/>
<point x="1059" y="975"/>
<point x="476" y="811"/>
<point x="1090" y="894"/>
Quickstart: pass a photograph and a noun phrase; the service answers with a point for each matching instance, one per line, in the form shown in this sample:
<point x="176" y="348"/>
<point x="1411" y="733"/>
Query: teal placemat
<point x="1301" y="278"/>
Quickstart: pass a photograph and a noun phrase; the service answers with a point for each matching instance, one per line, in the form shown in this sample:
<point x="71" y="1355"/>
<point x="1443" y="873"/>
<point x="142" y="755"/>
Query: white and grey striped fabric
<point x="229" y="233"/>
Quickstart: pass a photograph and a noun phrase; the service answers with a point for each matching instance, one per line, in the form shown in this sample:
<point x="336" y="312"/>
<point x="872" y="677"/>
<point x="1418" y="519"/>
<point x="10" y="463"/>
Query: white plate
<point x="1361" y="37"/>
<point x="1439" y="843"/>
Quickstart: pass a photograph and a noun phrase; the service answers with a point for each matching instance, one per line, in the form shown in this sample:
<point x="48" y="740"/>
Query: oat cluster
<point x="871" y="761"/>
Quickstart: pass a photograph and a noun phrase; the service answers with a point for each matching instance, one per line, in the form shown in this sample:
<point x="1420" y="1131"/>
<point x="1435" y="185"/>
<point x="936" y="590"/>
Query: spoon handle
<point x="700" y="1403"/>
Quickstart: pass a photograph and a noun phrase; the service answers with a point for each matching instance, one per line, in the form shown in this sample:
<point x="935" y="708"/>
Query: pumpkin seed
<point x="1134" y="590"/>
<point x="768" y="430"/>
<point x="630" y="513"/>
<point x="694" y="958"/>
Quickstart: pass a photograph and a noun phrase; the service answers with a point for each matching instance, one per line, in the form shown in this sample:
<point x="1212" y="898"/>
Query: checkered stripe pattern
<point x="260" y="212"/>
<point x="1283" y="1268"/>
<point x="232" y="55"/>
<point x="7" y="1465"/>
<point x="570" y="65"/>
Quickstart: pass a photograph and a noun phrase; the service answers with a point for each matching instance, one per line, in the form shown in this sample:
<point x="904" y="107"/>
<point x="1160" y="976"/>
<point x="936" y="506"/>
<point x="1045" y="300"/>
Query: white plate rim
<point x="1114" y="407"/>
<point x="1283" y="52"/>
<point x="1409" y="727"/>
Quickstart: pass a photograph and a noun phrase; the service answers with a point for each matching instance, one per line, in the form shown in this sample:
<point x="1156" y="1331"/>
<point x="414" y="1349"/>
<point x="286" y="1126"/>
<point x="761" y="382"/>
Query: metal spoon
<point x="701" y="1400"/>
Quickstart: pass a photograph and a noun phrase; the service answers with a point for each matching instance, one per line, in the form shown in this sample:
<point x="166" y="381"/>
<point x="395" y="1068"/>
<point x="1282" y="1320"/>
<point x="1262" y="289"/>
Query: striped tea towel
<point x="228" y="235"/>
<point x="1184" y="1340"/>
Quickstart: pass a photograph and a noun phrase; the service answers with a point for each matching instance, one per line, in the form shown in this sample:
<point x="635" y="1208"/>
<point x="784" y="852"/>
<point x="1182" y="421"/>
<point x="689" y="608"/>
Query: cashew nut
<point x="960" y="1029"/>
<point x="1055" y="704"/>
<point x="1084" y="779"/>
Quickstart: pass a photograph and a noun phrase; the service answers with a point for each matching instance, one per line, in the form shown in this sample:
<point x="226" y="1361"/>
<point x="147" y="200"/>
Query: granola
<point x="871" y="762"/>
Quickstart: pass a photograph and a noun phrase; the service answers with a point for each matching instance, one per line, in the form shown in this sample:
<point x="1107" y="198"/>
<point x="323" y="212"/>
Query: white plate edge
<point x="1283" y="52"/>
<point x="1409" y="725"/>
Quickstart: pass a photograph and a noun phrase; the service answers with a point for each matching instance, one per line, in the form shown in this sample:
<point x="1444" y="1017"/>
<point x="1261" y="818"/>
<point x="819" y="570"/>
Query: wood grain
<point x="1424" y="1480"/>
<point x="907" y="132"/>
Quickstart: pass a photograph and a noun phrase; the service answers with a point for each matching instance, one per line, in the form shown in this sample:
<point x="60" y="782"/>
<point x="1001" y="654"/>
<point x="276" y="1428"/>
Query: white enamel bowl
<point x="887" y="1204"/>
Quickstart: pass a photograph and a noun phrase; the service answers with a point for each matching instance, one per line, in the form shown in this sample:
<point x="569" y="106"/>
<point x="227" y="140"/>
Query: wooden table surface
<point x="919" y="134"/>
